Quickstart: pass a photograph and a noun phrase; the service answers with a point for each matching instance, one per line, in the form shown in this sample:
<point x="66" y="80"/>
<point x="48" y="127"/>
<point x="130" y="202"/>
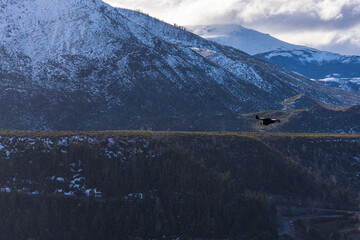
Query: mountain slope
<point x="85" y="65"/>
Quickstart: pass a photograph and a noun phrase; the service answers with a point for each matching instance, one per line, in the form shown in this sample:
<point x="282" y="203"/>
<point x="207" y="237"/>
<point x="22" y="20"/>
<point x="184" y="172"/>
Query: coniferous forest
<point x="148" y="185"/>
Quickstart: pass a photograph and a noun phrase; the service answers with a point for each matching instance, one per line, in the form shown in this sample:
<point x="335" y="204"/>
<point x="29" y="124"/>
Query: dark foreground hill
<point x="142" y="185"/>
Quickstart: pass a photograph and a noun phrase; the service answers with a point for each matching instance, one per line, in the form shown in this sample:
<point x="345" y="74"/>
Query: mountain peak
<point x="43" y="29"/>
<point x="237" y="36"/>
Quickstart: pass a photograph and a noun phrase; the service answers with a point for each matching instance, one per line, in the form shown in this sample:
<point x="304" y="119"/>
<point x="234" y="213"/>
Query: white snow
<point x="278" y="54"/>
<point x="343" y="83"/>
<point x="48" y="143"/>
<point x="247" y="40"/>
<point x="94" y="191"/>
<point x="60" y="179"/>
<point x="41" y="28"/>
<point x="70" y="193"/>
<point x="6" y="189"/>
<point x="317" y="56"/>
<point x="111" y="141"/>
<point x="63" y="142"/>
<point x="310" y="55"/>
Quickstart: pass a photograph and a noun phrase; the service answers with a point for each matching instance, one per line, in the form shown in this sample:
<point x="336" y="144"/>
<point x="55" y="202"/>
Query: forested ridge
<point x="142" y="185"/>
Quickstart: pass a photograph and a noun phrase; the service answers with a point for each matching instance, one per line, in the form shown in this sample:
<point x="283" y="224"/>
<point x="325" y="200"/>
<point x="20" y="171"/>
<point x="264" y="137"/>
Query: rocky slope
<point x="85" y="65"/>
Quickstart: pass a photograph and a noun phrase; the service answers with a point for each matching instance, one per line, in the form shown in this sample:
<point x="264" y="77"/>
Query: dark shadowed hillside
<point x="322" y="120"/>
<point x="122" y="185"/>
<point x="334" y="157"/>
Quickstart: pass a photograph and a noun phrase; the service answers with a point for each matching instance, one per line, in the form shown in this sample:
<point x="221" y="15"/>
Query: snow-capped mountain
<point x="330" y="68"/>
<point x="237" y="36"/>
<point x="82" y="64"/>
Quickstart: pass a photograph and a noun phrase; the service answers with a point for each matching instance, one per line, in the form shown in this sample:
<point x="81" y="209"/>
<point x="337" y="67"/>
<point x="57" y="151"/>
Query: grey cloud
<point x="347" y="48"/>
<point x="297" y="21"/>
<point x="280" y="14"/>
<point x="328" y="20"/>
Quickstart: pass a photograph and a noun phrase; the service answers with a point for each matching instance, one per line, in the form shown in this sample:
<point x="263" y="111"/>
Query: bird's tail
<point x="257" y="117"/>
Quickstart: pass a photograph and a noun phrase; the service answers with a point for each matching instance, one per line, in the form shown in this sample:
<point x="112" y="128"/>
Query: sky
<point x="331" y="25"/>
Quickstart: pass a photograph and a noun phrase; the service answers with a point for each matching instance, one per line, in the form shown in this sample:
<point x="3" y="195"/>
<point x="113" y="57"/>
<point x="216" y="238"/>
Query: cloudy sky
<point x="332" y="25"/>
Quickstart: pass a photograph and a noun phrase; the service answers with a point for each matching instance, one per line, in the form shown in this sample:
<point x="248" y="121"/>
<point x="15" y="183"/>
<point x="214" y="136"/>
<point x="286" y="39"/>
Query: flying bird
<point x="267" y="121"/>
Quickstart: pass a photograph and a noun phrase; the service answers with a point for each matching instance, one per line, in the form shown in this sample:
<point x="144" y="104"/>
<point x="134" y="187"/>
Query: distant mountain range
<point x="84" y="65"/>
<point x="328" y="68"/>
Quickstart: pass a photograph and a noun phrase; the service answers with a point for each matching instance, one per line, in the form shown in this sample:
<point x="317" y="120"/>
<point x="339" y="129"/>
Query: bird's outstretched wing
<point x="267" y="121"/>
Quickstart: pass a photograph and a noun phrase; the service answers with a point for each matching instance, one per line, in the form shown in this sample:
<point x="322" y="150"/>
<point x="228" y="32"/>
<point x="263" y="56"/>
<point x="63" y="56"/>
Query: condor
<point x="267" y="121"/>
